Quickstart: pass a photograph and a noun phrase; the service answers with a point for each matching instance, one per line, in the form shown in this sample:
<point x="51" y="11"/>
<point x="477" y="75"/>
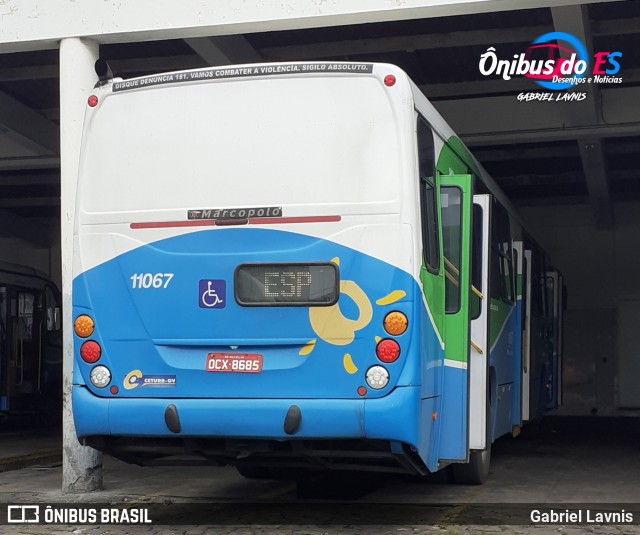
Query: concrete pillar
<point x="81" y="466"/>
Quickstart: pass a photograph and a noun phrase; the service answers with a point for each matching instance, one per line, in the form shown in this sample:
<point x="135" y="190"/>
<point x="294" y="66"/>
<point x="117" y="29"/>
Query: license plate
<point x="234" y="363"/>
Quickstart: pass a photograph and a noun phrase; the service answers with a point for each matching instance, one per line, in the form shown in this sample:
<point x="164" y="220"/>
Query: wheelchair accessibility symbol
<point x="212" y="293"/>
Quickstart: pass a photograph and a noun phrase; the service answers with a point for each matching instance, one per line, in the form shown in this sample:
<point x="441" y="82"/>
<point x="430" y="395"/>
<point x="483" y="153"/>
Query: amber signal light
<point x="83" y="326"/>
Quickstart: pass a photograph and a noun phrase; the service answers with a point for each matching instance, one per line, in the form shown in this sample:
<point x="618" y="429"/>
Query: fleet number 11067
<point x="151" y="280"/>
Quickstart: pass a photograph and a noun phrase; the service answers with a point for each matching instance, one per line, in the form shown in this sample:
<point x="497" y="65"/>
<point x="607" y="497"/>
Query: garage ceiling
<point x="540" y="153"/>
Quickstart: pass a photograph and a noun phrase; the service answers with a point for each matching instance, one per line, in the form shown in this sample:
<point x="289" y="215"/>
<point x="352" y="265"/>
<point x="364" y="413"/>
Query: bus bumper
<point x="395" y="417"/>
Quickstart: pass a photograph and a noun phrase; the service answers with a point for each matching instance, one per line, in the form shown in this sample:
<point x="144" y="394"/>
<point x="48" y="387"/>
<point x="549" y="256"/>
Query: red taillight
<point x="114" y="390"/>
<point x="389" y="80"/>
<point x="362" y="391"/>
<point x="388" y="350"/>
<point x="92" y="101"/>
<point x="90" y="352"/>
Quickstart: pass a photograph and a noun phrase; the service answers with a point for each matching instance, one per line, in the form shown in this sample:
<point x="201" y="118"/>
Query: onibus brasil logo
<point x="556" y="61"/>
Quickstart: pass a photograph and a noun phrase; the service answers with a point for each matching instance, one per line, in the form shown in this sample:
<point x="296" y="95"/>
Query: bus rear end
<point x="244" y="269"/>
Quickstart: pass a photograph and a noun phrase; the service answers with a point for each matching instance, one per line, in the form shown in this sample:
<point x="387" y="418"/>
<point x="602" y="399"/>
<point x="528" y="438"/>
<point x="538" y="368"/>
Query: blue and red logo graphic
<point x="556" y="61"/>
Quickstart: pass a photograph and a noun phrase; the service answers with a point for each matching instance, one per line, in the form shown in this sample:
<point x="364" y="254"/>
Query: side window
<point x="450" y="201"/>
<point x="501" y="257"/>
<point x="537" y="297"/>
<point x="428" y="210"/>
<point x="476" y="263"/>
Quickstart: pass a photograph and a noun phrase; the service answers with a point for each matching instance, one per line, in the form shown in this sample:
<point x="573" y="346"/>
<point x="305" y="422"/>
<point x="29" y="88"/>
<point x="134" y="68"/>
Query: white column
<point x="81" y="466"/>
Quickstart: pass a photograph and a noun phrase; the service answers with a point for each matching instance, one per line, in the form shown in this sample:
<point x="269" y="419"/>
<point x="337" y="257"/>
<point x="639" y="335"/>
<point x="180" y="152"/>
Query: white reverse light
<point x="377" y="377"/>
<point x="100" y="376"/>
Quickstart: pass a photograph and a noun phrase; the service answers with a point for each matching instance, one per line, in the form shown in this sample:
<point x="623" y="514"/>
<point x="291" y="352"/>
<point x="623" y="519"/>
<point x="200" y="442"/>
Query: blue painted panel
<point x="165" y="331"/>
<point x="505" y="358"/>
<point x="430" y="432"/>
<point x="164" y="334"/>
<point x="502" y="423"/>
<point x="393" y="417"/>
<point x="516" y="405"/>
<point x="453" y="417"/>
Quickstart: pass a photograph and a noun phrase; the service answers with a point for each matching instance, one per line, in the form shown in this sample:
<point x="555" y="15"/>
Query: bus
<point x="30" y="346"/>
<point x="299" y="267"/>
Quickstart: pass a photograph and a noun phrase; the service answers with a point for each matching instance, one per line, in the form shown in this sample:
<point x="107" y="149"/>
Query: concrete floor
<point x="573" y="462"/>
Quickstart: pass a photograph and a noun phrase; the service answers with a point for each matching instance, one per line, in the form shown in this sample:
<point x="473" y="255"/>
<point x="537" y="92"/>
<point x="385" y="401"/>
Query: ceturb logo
<point x="136" y="378"/>
<point x="555" y="61"/>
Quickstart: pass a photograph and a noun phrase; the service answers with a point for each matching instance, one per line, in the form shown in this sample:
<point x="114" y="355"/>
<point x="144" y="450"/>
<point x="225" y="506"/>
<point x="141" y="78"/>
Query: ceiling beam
<point x="224" y="50"/>
<point x="508" y="137"/>
<point x="357" y="47"/>
<point x="505" y="120"/>
<point x="32" y="162"/>
<point x="118" y="66"/>
<point x="24" y="179"/>
<point x="481" y="37"/>
<point x="526" y="152"/>
<point x="29" y="202"/>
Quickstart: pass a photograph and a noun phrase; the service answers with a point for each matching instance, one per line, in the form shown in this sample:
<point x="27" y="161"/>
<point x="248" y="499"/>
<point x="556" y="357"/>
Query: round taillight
<point x="114" y="390"/>
<point x="377" y="377"/>
<point x="83" y="326"/>
<point x="90" y="352"/>
<point x="92" y="101"/>
<point x="388" y="351"/>
<point x="100" y="376"/>
<point x="362" y="391"/>
<point x="389" y="80"/>
<point x="395" y="323"/>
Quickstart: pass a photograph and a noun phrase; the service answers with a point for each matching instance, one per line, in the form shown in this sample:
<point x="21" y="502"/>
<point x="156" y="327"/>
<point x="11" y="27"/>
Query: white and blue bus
<point x="299" y="267"/>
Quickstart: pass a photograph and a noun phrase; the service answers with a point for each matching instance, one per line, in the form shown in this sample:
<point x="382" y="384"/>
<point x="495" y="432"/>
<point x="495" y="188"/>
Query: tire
<point x="476" y="471"/>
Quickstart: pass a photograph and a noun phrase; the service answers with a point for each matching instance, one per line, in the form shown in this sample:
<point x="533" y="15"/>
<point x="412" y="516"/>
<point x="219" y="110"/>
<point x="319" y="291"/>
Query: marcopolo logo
<point x="555" y="61"/>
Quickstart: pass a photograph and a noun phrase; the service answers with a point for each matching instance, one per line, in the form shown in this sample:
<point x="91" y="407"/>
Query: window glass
<point x="450" y="202"/>
<point x="501" y="255"/>
<point x="476" y="261"/>
<point x="428" y="210"/>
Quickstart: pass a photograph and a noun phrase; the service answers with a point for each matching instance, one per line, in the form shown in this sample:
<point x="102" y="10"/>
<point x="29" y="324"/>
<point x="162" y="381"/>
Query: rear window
<point x="267" y="142"/>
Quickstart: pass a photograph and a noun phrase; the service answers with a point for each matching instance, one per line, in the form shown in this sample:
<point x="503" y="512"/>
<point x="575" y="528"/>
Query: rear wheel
<point x="476" y="471"/>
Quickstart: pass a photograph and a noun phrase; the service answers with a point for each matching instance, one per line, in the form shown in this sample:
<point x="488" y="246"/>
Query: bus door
<point x="553" y="371"/>
<point x="479" y="351"/>
<point x="456" y="196"/>
<point x="525" y="271"/>
<point x="24" y="357"/>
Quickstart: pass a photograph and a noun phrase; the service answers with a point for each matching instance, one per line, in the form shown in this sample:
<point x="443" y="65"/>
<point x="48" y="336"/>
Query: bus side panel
<point x="432" y="357"/>
<point x="503" y="326"/>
